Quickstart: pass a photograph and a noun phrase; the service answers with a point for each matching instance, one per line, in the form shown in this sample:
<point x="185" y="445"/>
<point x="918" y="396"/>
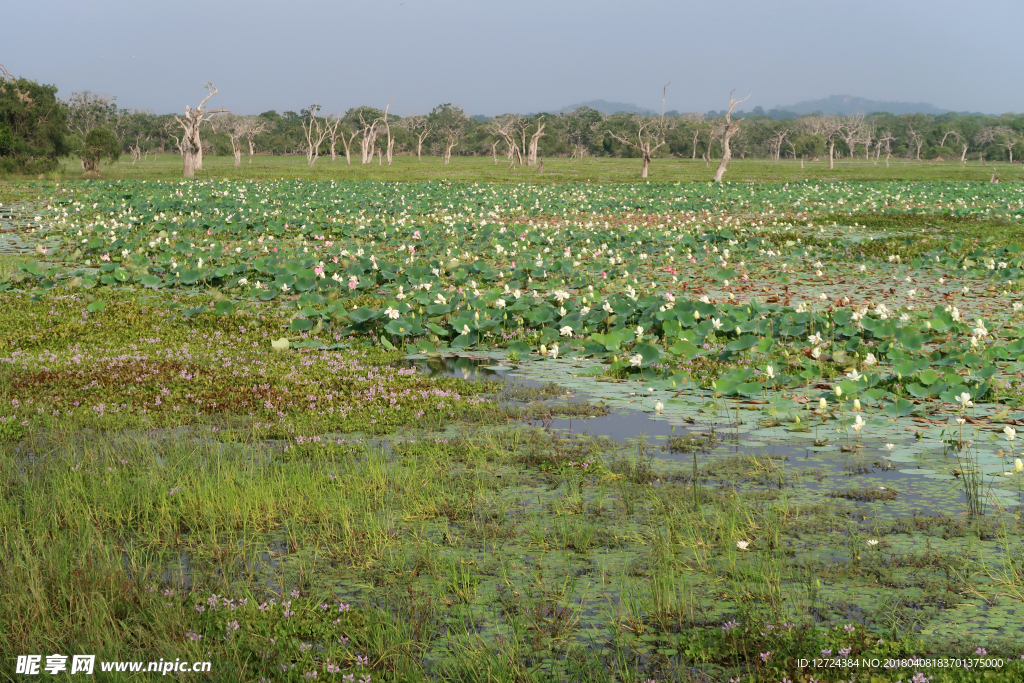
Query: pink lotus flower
<point x="352" y="284"/>
<point x="105" y="257"/>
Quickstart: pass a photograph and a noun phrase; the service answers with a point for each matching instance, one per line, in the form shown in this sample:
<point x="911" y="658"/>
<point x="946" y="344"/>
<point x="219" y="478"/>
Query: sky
<point x="528" y="56"/>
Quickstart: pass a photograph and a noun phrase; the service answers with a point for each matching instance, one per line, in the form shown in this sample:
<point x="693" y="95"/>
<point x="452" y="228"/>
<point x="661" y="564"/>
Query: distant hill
<point x="847" y="104"/>
<point x="606" y="107"/>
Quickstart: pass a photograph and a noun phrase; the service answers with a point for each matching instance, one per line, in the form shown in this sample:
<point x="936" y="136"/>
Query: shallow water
<point x="917" y="468"/>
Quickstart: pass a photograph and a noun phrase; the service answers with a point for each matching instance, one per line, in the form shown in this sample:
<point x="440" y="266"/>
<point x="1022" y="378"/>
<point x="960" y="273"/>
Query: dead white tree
<point x="917" y="140"/>
<point x="250" y="127"/>
<point x="961" y="140"/>
<point x="884" y="143"/>
<point x="347" y="142"/>
<point x="649" y="135"/>
<point x="190" y="146"/>
<point x="420" y="127"/>
<point x="505" y="127"/>
<point x="1007" y="138"/>
<point x="136" y="151"/>
<point x="315" y="129"/>
<point x="852" y="130"/>
<point x="332" y="123"/>
<point x="369" y="132"/>
<point x="232" y="126"/>
<point x="867" y="137"/>
<point x="775" y="141"/>
<point x="531" y="154"/>
<point x="984" y="137"/>
<point x="387" y="130"/>
<point x="694" y="124"/>
<point x="88" y="110"/>
<point x="727" y="132"/>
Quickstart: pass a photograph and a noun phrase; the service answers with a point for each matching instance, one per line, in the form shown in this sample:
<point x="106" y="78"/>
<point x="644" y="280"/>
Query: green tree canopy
<point x="99" y="144"/>
<point x="33" y="126"/>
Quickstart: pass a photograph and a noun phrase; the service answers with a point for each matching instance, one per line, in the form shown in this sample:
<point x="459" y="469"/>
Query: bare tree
<point x="727" y="132"/>
<point x="775" y="140"/>
<point x="866" y="138"/>
<point x="316" y="132"/>
<point x="852" y="130"/>
<point x="347" y="142"/>
<point x="387" y="129"/>
<point x="916" y="136"/>
<point x="961" y="140"/>
<point x="885" y="140"/>
<point x="985" y="136"/>
<point x="190" y="146"/>
<point x="369" y="133"/>
<point x="251" y="126"/>
<point x="421" y="128"/>
<point x="580" y="126"/>
<point x="1007" y="138"/>
<point x="531" y="155"/>
<point x="828" y="127"/>
<point x="332" y="124"/>
<point x="505" y="127"/>
<point x="232" y="125"/>
<point x="450" y="121"/>
<point x="697" y="126"/>
<point x="649" y="134"/>
<point x="88" y="110"/>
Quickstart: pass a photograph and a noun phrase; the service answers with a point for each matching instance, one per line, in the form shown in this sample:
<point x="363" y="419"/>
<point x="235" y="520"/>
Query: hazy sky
<point x="530" y="55"/>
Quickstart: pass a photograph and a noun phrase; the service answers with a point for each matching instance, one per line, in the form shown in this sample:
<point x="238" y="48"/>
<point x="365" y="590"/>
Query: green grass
<point x="595" y="170"/>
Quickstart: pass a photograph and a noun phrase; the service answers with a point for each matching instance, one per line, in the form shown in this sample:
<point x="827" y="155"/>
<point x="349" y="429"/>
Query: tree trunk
<point x="494" y="152"/>
<point x="199" y="147"/>
<point x="729" y="131"/>
<point x="238" y="155"/>
<point x="188" y="159"/>
<point x="448" y="150"/>
<point x="831" y="154"/>
<point x="251" y="150"/>
<point x="333" y="154"/>
<point x="645" y="165"/>
<point x="531" y="155"/>
<point x="963" y="156"/>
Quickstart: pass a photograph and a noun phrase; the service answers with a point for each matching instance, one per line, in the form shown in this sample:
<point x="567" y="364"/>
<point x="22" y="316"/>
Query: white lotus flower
<point x="636" y="360"/>
<point x="870" y="359"/>
<point x="742" y="545"/>
<point x="1010" y="432"/>
<point x="565" y="331"/>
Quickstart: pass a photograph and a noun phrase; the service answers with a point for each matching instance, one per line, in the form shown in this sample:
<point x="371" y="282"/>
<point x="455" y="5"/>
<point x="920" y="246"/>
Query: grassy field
<point x="596" y="170"/>
<point x="246" y="423"/>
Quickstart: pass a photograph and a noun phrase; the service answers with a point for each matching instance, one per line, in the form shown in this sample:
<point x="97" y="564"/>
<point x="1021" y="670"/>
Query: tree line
<point x="37" y="128"/>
